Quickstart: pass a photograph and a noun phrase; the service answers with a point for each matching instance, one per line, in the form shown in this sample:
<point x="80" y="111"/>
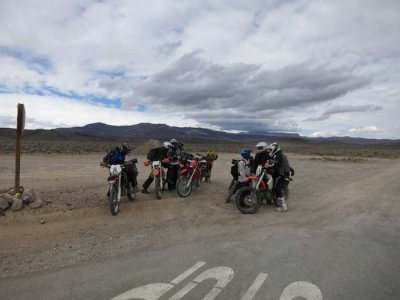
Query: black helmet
<point x="125" y="148"/>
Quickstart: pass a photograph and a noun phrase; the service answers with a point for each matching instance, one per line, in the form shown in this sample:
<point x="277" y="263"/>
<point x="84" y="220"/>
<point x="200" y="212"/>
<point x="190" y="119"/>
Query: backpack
<point x="235" y="169"/>
<point x="115" y="157"/>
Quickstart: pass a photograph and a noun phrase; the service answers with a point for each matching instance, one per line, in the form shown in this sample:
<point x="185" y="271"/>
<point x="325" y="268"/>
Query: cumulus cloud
<point x="345" y="109"/>
<point x="251" y="94"/>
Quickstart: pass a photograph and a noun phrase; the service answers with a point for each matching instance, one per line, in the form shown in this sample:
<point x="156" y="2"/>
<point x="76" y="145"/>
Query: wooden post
<point x="20" y="130"/>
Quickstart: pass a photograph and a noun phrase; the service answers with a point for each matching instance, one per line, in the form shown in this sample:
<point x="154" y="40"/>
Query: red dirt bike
<point x="159" y="174"/>
<point x="119" y="185"/>
<point x="249" y="198"/>
<point x="189" y="175"/>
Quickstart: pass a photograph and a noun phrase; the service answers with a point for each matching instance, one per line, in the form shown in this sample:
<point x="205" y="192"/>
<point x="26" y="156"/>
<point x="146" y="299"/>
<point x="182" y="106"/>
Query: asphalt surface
<point x="343" y="244"/>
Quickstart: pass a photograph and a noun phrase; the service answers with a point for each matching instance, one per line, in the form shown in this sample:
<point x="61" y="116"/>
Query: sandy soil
<point x="79" y="227"/>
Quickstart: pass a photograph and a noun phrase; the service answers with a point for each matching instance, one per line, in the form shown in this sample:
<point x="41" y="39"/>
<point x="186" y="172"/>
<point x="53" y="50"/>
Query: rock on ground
<point x="17" y="204"/>
<point x="36" y="204"/>
<point x="3" y="204"/>
<point x="8" y="198"/>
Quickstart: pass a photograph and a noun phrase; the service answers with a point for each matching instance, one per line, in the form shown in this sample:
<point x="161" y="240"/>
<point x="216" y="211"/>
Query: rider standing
<point x="244" y="165"/>
<point x="277" y="158"/>
<point x="156" y="154"/>
<point x="175" y="155"/>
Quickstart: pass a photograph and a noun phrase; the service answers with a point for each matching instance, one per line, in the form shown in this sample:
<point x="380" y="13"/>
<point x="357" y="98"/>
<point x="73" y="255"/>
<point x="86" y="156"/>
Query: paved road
<point x="346" y="246"/>
<point x="341" y="266"/>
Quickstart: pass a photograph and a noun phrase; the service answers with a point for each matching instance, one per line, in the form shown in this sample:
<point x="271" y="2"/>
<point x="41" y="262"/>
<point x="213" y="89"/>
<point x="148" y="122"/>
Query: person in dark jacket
<point x="117" y="156"/>
<point x="156" y="154"/>
<point x="261" y="156"/>
<point x="281" y="172"/>
<point x="175" y="155"/>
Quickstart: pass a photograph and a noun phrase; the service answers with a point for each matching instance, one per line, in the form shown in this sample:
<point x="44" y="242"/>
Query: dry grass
<point x="320" y="151"/>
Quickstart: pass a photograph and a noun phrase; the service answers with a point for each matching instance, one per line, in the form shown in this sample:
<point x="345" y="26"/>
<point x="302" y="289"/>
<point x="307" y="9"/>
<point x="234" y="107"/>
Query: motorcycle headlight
<point x="115" y="170"/>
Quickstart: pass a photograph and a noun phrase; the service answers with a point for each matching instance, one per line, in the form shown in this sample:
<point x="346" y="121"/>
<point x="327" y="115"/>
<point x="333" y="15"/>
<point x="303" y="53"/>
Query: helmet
<point x="245" y="153"/>
<point x="166" y="145"/>
<point x="125" y="148"/>
<point x="261" y="146"/>
<point x="174" y="142"/>
<point x="273" y="149"/>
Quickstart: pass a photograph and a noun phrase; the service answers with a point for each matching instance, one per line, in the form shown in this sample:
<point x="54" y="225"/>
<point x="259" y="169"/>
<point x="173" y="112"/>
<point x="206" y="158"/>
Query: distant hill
<point x="162" y="131"/>
<point x="144" y="131"/>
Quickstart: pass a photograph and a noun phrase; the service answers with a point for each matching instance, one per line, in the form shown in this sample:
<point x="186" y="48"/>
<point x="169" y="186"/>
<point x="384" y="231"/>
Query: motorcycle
<point x="159" y="174"/>
<point x="119" y="186"/>
<point x="249" y="198"/>
<point x="189" y="175"/>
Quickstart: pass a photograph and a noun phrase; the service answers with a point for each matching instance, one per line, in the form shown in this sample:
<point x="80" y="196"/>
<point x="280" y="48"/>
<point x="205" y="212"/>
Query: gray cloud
<point x="169" y="48"/>
<point x="194" y="84"/>
<point x="345" y="109"/>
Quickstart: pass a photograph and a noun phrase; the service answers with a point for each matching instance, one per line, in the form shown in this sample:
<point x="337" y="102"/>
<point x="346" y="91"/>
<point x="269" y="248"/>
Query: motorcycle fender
<point x="156" y="172"/>
<point x="183" y="172"/>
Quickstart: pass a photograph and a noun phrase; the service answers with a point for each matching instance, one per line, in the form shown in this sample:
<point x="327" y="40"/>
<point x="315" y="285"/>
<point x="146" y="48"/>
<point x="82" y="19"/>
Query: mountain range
<point x="163" y="131"/>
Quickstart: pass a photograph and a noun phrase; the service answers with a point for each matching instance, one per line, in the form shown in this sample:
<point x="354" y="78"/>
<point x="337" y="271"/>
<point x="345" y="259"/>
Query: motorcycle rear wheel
<point x="247" y="202"/>
<point x="130" y="193"/>
<point x="113" y="200"/>
<point x="158" y="188"/>
<point x="181" y="186"/>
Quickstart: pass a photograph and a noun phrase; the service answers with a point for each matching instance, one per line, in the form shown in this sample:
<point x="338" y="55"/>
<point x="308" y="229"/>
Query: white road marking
<point x="154" y="291"/>
<point x="302" y="289"/>
<point x="222" y="274"/>
<point x="253" y="289"/>
<point x="151" y="291"/>
<point x="188" y="272"/>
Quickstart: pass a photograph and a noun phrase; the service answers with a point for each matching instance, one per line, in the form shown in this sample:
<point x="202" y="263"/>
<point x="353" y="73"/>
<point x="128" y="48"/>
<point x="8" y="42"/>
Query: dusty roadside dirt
<point x="338" y="195"/>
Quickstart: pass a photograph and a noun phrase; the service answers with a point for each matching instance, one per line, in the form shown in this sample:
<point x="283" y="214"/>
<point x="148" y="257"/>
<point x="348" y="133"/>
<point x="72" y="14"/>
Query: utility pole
<point x="20" y="130"/>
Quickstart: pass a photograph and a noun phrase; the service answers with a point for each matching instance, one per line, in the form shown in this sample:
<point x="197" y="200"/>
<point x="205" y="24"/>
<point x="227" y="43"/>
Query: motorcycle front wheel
<point x="113" y="200"/>
<point x="184" y="186"/>
<point x="157" y="182"/>
<point x="247" y="201"/>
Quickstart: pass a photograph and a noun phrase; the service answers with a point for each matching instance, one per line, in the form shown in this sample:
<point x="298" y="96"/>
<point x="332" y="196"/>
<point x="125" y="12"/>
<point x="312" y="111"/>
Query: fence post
<point x="20" y="130"/>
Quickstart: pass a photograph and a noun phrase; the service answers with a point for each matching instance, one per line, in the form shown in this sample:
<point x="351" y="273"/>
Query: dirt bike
<point x="189" y="175"/>
<point x="119" y="186"/>
<point x="249" y="198"/>
<point x="159" y="174"/>
<point x="205" y="164"/>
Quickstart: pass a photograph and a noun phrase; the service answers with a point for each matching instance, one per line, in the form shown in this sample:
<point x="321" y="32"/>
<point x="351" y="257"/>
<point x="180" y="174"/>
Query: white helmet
<point x="261" y="146"/>
<point x="273" y="149"/>
<point x="167" y="145"/>
<point x="174" y="142"/>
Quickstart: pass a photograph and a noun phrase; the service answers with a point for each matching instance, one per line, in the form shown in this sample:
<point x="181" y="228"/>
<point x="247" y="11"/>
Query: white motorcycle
<point x="119" y="186"/>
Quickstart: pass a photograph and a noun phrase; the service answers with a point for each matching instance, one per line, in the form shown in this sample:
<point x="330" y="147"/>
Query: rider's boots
<point x="281" y="201"/>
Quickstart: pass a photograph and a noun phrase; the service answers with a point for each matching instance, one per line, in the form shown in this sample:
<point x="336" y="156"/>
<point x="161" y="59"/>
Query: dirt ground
<point x="78" y="225"/>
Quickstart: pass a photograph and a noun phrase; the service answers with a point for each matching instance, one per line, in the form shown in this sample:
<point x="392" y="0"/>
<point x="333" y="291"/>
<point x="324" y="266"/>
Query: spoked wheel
<point x="158" y="188"/>
<point x="231" y="190"/>
<point x="184" y="186"/>
<point x="113" y="201"/>
<point x="247" y="201"/>
<point x="130" y="192"/>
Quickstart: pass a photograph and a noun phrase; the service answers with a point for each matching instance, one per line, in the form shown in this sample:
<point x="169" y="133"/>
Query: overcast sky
<point x="318" y="68"/>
